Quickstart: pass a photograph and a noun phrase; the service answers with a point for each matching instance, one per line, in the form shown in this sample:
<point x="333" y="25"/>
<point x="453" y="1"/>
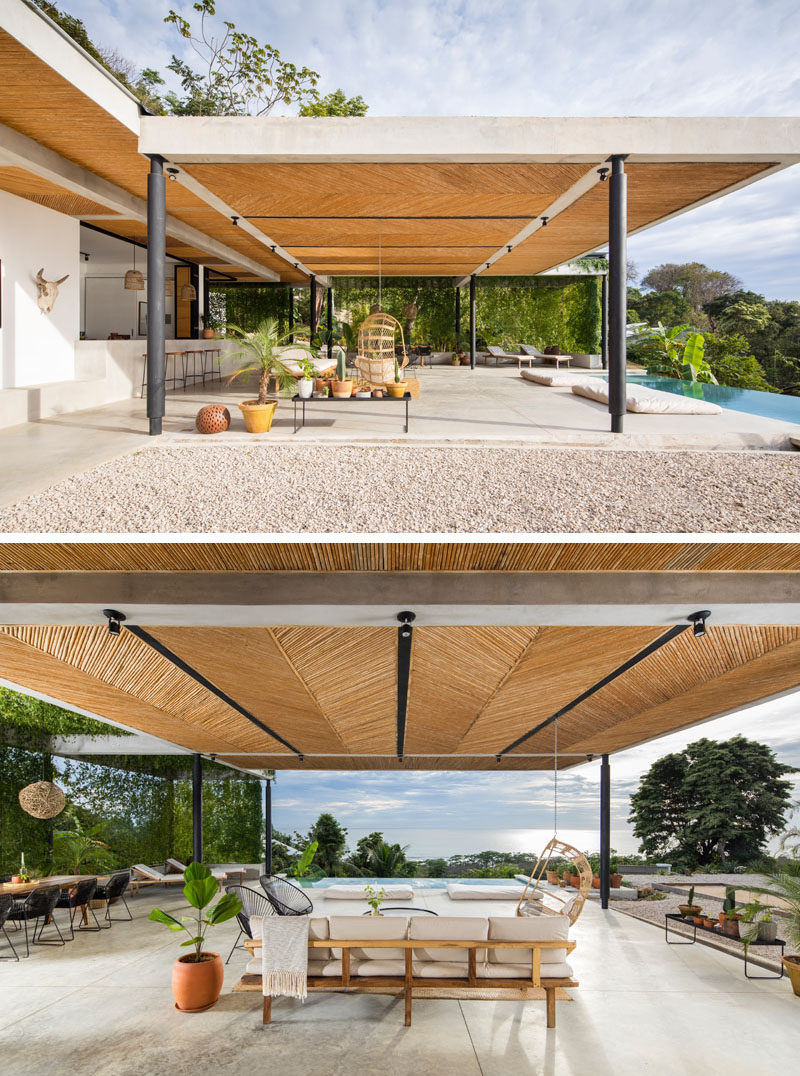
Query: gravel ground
<point x="653" y="911"/>
<point x="262" y="488"/>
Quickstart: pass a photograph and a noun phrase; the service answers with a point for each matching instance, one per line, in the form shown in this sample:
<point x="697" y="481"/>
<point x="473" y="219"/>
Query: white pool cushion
<point x="647" y="401"/>
<point x="356" y="892"/>
<point x="555" y="378"/>
<point x="462" y="891"/>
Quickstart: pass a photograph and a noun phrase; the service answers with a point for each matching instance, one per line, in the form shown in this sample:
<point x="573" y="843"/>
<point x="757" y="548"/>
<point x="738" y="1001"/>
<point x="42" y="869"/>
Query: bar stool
<point x="176" y="377"/>
<point x="195" y="356"/>
<point x="211" y="367"/>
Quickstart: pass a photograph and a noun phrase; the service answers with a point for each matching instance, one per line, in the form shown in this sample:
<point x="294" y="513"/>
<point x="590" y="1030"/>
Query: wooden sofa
<point x="367" y="954"/>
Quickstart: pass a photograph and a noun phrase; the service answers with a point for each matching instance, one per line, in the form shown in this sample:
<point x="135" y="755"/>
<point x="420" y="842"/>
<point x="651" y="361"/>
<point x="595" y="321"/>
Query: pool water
<point x="765" y="404"/>
<point x="415" y="883"/>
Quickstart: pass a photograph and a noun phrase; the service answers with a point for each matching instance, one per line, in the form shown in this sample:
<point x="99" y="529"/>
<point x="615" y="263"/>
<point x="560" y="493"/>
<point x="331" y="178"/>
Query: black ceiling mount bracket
<point x="405" y="634"/>
<point x="115" y="620"/>
<point x="698" y="622"/>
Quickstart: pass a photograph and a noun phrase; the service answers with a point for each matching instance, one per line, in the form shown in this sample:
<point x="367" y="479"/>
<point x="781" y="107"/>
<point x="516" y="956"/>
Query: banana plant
<point x="694" y="359"/>
<point x="303" y="866"/>
<point x="200" y="889"/>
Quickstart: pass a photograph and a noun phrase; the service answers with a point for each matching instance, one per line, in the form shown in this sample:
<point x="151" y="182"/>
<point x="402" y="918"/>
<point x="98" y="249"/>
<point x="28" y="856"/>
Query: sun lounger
<point x="497" y="353"/>
<point x="554" y="378"/>
<point x="534" y="353"/>
<point x="356" y="892"/>
<point x="647" y="401"/>
<point x="290" y="358"/>
<point x="464" y="891"/>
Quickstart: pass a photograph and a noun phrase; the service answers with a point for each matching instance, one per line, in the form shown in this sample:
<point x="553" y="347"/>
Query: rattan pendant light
<point x="188" y="292"/>
<point x="42" y="799"/>
<point x="134" y="281"/>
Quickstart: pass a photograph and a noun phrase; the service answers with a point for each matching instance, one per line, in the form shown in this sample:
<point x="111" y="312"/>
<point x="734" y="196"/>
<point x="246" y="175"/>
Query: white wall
<point x="37" y="348"/>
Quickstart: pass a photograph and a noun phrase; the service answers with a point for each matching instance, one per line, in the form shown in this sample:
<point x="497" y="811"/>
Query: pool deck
<point x="456" y="406"/>
<point x="102" y="1004"/>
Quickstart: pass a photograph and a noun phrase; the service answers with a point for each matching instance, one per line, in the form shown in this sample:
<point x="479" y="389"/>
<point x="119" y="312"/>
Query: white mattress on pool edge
<point x="647" y="401"/>
<point x="460" y="891"/>
<point x="555" y="378"/>
<point x="356" y="892"/>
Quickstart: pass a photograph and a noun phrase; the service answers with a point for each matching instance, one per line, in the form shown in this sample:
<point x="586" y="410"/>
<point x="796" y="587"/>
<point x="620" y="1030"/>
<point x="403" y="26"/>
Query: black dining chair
<point x="111" y="892"/>
<point x="37" y="906"/>
<point x="80" y="897"/>
<point x="253" y="904"/>
<point x="6" y="904"/>
<point x="285" y="898"/>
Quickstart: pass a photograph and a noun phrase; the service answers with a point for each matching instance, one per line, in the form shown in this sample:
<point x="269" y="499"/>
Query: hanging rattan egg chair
<point x="536" y="901"/>
<point x="376" y="348"/>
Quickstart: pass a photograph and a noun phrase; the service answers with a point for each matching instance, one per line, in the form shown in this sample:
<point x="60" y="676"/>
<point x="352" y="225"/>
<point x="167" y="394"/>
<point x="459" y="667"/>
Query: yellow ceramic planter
<point x="257" y="417"/>
<point x="397" y="389"/>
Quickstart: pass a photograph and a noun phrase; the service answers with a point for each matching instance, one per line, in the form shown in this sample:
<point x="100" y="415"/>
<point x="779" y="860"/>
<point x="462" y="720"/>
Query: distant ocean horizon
<point x="436" y="843"/>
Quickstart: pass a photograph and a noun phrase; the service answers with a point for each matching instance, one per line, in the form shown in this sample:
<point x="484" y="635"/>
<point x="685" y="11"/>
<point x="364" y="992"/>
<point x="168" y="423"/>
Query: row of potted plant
<point x="568" y="876"/>
<point x="751" y="922"/>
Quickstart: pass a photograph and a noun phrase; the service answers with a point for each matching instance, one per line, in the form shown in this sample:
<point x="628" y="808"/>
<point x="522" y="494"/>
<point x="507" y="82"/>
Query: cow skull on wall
<point x="48" y="291"/>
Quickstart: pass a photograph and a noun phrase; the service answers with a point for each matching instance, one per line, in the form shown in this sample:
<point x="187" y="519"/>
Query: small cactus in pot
<point x="343" y="385"/>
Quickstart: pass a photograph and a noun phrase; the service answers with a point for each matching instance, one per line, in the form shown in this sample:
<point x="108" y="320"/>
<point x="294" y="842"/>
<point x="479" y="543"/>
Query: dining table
<point x="20" y="890"/>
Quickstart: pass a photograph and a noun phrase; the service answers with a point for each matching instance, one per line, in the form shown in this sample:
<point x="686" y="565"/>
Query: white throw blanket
<point x="284" y="956"/>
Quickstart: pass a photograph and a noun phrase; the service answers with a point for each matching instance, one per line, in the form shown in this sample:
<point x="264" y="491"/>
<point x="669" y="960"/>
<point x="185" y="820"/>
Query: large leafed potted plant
<point x="197" y="976"/>
<point x="259" y="349"/>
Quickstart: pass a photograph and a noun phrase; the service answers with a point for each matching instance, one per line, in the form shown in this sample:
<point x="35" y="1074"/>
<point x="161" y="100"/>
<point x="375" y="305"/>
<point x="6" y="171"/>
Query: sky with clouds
<point x="571" y="58"/>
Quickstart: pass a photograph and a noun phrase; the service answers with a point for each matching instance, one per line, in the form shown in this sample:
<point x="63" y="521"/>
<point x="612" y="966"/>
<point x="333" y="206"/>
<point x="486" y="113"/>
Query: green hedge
<point x="563" y="311"/>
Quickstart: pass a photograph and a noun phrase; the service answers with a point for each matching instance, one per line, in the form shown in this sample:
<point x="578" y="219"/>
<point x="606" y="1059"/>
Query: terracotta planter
<point x="595" y="882"/>
<point x="708" y="923"/>
<point x="397" y="389"/>
<point x="257" y="417"/>
<point x="792" y="965"/>
<point x="197" y="986"/>
<point x="615" y="881"/>
<point x="697" y="920"/>
<point x="16" y="879"/>
<point x="730" y="927"/>
<point x="342" y="390"/>
<point x="575" y="881"/>
<point x="552" y="877"/>
<point x="208" y="334"/>
<point x="377" y="394"/>
<point x="321" y="383"/>
<point x="689" y="911"/>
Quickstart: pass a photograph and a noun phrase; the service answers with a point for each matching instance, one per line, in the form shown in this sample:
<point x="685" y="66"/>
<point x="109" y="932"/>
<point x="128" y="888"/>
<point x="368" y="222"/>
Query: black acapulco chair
<point x="285" y="898"/>
<point x="111" y="892"/>
<point x="38" y="906"/>
<point x="6" y="904"/>
<point x="253" y="904"/>
<point x="80" y="897"/>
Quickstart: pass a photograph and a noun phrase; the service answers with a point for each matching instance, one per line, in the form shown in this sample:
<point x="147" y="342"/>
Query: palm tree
<point x="387" y="860"/>
<point x="259" y="348"/>
<point x="784" y="883"/>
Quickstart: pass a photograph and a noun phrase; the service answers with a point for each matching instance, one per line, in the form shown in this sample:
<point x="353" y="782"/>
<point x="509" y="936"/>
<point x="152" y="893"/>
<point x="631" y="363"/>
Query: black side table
<point x="350" y="399"/>
<point x="673" y="917"/>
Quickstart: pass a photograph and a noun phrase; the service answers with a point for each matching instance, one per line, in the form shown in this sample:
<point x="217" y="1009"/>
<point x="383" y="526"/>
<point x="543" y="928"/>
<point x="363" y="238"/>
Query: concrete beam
<point x="469" y="139"/>
<point x="374" y="598"/>
<point x="22" y="152"/>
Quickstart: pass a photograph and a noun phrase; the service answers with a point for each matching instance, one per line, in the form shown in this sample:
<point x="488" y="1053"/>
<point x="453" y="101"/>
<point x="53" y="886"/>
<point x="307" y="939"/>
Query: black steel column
<point x="472" y="322"/>
<point x="458" y="319"/>
<point x="617" y="294"/>
<point x="312" y="309"/>
<point x="604" y="320"/>
<point x="156" y="254"/>
<point x="268" y="826"/>
<point x="290" y="290"/>
<point x="605" y="830"/>
<point x="197" y="808"/>
<point x="330" y="319"/>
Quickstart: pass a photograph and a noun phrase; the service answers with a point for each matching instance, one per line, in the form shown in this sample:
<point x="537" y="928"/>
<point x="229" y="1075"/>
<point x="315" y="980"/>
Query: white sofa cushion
<point x="454" y="927"/>
<point x="356" y="892"/>
<point x="387" y="966"/>
<point x="315" y="967"/>
<point x="462" y="891"/>
<point x="556" y="970"/>
<point x="536" y="928"/>
<point x="369" y="926"/>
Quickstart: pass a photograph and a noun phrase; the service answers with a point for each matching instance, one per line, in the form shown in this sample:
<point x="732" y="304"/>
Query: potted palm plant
<point x="785" y="884"/>
<point x="197" y="977"/>
<point x="259" y="348"/>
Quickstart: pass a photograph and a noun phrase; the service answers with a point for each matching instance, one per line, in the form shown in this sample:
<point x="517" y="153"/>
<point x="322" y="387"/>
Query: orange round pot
<point x="257" y="417"/>
<point x="575" y="881"/>
<point x="595" y="882"/>
<point x="615" y="881"/>
<point x="792" y="965"/>
<point x="342" y="390"/>
<point x="197" y="986"/>
<point x="16" y="879"/>
<point x="209" y="334"/>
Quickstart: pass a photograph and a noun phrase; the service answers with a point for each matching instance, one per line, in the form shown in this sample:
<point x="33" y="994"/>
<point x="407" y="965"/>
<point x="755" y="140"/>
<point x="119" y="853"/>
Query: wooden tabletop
<point x="63" y="881"/>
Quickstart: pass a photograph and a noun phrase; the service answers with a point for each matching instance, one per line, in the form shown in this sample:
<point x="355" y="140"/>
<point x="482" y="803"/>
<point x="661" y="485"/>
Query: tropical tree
<point x="388" y="860"/>
<point x="239" y="76"/>
<point x="712" y="799"/>
<point x="335" y="104"/>
<point x="696" y="282"/>
<point x="677" y="351"/>
<point x="331" y="839"/>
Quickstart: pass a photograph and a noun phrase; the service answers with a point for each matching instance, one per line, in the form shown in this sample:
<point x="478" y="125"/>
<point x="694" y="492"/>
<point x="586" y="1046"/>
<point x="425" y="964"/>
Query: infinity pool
<point x="415" y="883"/>
<point x="765" y="404"/>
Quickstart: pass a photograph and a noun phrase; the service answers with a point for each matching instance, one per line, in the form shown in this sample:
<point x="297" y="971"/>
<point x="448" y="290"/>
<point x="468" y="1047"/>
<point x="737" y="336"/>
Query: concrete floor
<point x="489" y="404"/>
<point x="103" y="1005"/>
